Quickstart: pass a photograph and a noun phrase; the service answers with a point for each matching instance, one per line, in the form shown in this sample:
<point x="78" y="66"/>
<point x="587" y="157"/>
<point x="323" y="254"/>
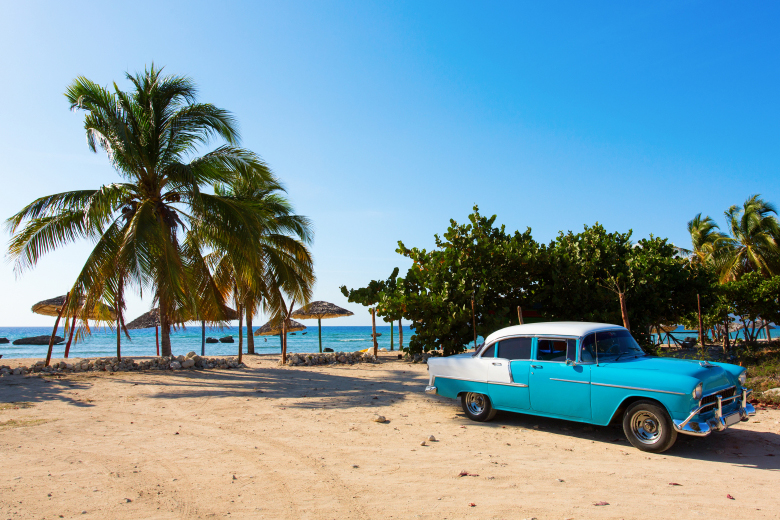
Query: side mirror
<point x="571" y="363"/>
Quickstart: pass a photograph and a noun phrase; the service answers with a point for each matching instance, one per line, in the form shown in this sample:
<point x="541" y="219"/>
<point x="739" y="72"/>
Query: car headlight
<point x="696" y="394"/>
<point x="743" y="378"/>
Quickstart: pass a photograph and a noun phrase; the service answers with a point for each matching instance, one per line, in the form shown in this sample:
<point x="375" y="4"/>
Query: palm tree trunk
<point x="373" y="328"/>
<point x="768" y="335"/>
<point x="624" y="310"/>
<point x="157" y="337"/>
<point x="118" y="337"/>
<point x="250" y="338"/>
<point x="240" y="333"/>
<point x="165" y="332"/>
<point x="701" y="324"/>
<point x="400" y="335"/>
<point x="56" y="326"/>
<point x="284" y="341"/>
<point x="70" y="337"/>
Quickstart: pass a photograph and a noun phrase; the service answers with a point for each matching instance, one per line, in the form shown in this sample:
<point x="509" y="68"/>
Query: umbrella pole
<point x="240" y="333"/>
<point x="157" y="338"/>
<point x="281" y="343"/>
<point x="70" y="337"/>
<point x="202" y="338"/>
<point x="56" y="325"/>
<point x="319" y="329"/>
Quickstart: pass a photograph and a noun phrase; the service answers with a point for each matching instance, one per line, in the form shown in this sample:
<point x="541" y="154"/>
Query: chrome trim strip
<point x="642" y="389"/>
<point x="570" y="381"/>
<point x="521" y="385"/>
<point x="719" y="390"/>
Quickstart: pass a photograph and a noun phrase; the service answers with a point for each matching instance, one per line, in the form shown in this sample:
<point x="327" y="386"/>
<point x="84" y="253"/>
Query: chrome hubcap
<point x="475" y="403"/>
<point x="646" y="427"/>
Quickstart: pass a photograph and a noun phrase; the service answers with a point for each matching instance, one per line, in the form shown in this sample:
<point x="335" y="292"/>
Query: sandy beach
<point x="281" y="442"/>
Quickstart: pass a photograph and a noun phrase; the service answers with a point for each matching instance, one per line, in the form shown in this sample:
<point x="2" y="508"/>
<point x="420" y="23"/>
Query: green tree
<point x="152" y="135"/>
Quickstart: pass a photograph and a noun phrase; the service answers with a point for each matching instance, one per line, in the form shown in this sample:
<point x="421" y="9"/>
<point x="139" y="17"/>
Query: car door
<point x="557" y="387"/>
<point x="508" y="374"/>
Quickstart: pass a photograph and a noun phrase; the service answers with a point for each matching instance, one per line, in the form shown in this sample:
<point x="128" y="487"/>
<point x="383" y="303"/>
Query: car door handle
<point x="497" y="364"/>
<point x="536" y="366"/>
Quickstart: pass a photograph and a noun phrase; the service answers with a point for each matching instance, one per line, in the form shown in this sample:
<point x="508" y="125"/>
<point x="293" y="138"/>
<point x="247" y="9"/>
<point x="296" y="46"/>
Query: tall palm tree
<point x="152" y="135"/>
<point x="706" y="240"/>
<point x="755" y="239"/>
<point x="277" y="262"/>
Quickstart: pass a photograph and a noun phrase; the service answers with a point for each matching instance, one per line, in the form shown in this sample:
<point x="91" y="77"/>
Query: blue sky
<point x="386" y="119"/>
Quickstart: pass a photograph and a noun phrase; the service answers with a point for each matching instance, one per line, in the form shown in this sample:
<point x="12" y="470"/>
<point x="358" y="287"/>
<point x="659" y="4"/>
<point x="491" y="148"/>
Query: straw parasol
<point x="151" y="319"/>
<point x="273" y="329"/>
<point x="320" y="311"/>
<point x="56" y="306"/>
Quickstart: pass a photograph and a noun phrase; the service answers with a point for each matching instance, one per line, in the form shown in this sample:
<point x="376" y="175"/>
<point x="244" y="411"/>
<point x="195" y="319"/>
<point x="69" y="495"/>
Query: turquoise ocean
<point x="102" y="343"/>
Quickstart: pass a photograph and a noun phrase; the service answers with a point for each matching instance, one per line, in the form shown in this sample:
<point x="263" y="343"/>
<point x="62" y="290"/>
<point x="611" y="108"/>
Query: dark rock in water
<point x="304" y="333"/>
<point x="3" y="340"/>
<point x="38" y="340"/>
<point x="292" y="334"/>
<point x="327" y="349"/>
<point x="212" y="340"/>
<point x="226" y="339"/>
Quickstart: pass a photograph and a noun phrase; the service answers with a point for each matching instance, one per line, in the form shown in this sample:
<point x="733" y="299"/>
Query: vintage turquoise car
<point x="593" y="373"/>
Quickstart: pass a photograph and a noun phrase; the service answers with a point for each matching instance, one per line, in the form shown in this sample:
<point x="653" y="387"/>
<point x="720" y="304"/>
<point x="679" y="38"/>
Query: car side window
<point x="588" y="349"/>
<point x="515" y="348"/>
<point x="556" y="349"/>
<point x="490" y="351"/>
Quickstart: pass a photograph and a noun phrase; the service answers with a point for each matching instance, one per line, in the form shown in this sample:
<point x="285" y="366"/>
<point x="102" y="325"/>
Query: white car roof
<point x="563" y="328"/>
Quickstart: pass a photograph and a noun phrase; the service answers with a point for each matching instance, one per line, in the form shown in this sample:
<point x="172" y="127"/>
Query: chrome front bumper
<point x="430" y="389"/>
<point x="719" y="421"/>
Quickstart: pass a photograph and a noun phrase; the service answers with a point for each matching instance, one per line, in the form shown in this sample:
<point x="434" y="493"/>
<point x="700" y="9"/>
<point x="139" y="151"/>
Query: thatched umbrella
<point x="56" y="306"/>
<point x="152" y="319"/>
<point x="274" y="327"/>
<point x="321" y="311"/>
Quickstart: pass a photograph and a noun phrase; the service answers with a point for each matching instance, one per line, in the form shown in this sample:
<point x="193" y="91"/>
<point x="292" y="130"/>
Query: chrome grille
<point x="710" y="402"/>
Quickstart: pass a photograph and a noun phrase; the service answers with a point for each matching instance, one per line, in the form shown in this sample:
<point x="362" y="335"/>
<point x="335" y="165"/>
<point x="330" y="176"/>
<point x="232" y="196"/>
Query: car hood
<point x="712" y="376"/>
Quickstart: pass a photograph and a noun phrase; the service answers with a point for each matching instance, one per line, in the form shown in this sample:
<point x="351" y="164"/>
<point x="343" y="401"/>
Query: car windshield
<point x="615" y="344"/>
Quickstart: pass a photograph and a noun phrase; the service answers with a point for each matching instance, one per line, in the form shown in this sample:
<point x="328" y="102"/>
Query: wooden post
<point x="56" y="325"/>
<point x="240" y="332"/>
<point x="203" y="338"/>
<point x="624" y="310"/>
<point x="400" y="334"/>
<point x="157" y="337"/>
<point x="768" y="335"/>
<point x="319" y="331"/>
<point x="391" y="335"/>
<point x="474" y="323"/>
<point x="701" y="324"/>
<point x="70" y="337"/>
<point x="519" y="315"/>
<point x="373" y="328"/>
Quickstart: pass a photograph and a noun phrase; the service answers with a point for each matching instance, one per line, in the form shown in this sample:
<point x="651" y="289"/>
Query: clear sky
<point x="386" y="119"/>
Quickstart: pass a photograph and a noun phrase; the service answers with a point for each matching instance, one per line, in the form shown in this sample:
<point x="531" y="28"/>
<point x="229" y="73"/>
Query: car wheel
<point x="477" y="406"/>
<point x="648" y="427"/>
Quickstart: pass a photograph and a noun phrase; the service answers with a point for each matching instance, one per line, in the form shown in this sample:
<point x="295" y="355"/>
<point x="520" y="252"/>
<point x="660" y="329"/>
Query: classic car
<point x="593" y="373"/>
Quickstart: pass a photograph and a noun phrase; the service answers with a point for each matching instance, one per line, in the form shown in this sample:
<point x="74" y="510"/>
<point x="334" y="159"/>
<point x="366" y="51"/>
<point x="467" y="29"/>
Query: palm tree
<point x="755" y="240"/>
<point x="152" y="135"/>
<point x="277" y="262"/>
<point x="706" y="241"/>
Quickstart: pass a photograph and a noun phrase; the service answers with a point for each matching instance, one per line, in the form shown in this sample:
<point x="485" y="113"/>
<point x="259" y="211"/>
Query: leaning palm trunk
<point x="240" y="333"/>
<point x="250" y="338"/>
